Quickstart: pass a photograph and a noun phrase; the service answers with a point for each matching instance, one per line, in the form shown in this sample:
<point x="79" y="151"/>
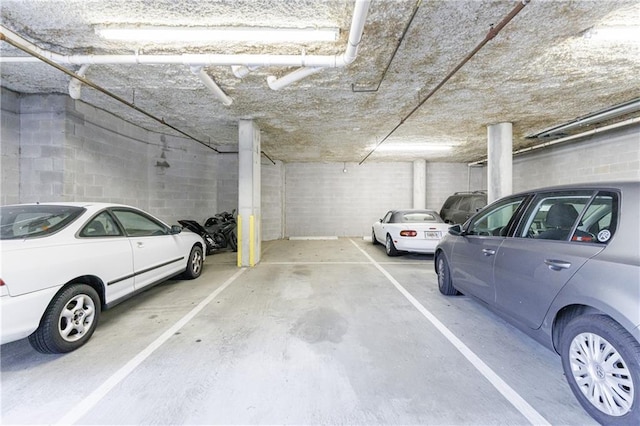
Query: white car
<point x="413" y="230"/>
<point x="62" y="263"/>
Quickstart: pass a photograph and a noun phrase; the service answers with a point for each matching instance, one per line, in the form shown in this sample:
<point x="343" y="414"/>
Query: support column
<point x="499" y="160"/>
<point x="419" y="184"/>
<point x="249" y="221"/>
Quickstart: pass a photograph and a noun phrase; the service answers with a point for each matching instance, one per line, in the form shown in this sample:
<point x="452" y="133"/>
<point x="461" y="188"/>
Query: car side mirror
<point x="175" y="229"/>
<point x="457" y="231"/>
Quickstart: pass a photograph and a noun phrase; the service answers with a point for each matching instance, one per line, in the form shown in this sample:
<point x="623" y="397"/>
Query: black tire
<point x="445" y="285"/>
<point x="194" y="264"/>
<point x="69" y="321"/>
<point x="390" y="248"/>
<point x="600" y="357"/>
<point x="233" y="241"/>
<point x="373" y="238"/>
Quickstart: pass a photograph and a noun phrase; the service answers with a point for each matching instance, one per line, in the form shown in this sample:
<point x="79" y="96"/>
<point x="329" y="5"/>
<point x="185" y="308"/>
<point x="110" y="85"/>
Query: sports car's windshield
<point x="20" y="222"/>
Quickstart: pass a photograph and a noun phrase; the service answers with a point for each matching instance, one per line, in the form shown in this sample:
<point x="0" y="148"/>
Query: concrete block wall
<point x="71" y="151"/>
<point x="603" y="157"/>
<point x="9" y="148"/>
<point x="227" y="187"/>
<point x="321" y="199"/>
<point x="443" y="179"/>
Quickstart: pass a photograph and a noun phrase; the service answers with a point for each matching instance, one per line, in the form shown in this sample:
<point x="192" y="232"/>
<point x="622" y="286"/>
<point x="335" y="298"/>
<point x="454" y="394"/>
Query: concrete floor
<point x="320" y="332"/>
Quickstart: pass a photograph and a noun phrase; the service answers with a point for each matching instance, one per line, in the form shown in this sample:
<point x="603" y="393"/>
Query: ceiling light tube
<point x="165" y="34"/>
<point x="596" y="117"/>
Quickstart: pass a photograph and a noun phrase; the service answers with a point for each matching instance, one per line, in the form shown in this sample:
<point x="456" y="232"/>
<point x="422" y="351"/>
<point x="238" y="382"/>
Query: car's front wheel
<point x="194" y="265"/>
<point x="390" y="248"/>
<point x="601" y="361"/>
<point x="373" y="237"/>
<point x="69" y="321"/>
<point x="444" y="277"/>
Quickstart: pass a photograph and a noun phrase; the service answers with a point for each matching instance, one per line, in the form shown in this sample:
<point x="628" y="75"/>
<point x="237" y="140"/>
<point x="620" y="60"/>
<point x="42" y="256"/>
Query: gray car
<point x="562" y="264"/>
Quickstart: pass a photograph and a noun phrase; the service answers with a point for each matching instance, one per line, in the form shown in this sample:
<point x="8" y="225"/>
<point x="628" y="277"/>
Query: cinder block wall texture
<point x="57" y="149"/>
<point x="604" y="157"/>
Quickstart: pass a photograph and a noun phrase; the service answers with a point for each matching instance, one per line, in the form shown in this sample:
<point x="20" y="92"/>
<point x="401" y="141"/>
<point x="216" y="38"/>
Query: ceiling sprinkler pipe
<point x="355" y="36"/>
<point x="355" y="32"/>
<point x="241" y="71"/>
<point x="299" y="74"/>
<point x="212" y="86"/>
<point x="75" y="85"/>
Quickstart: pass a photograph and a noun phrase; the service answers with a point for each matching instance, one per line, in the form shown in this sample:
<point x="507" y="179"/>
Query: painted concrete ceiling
<point x="546" y="66"/>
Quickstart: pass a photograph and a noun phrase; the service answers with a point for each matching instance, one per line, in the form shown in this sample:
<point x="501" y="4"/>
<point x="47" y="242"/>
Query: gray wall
<point x="58" y="149"/>
<point x="604" y="157"/>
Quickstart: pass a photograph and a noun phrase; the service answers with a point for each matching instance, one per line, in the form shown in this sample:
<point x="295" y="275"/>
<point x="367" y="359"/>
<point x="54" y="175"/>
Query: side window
<point x="554" y="216"/>
<point x="599" y="219"/>
<point x="464" y="205"/>
<point x="138" y="225"/>
<point x="387" y="217"/>
<point x="102" y="225"/>
<point x="494" y="221"/>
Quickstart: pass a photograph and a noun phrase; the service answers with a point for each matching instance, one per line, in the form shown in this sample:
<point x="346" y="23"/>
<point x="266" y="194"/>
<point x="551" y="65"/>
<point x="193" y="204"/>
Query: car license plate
<point x="432" y="234"/>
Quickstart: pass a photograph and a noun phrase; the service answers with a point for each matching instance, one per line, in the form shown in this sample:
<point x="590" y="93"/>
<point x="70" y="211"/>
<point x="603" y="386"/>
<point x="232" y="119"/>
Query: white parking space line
<point x="94" y="397"/>
<point x="501" y="386"/>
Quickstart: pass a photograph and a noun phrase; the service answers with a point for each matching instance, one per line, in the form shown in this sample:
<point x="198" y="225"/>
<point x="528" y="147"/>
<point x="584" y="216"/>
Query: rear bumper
<point x="416" y="246"/>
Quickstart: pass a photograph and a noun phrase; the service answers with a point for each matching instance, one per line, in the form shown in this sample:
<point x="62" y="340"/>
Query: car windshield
<point x="28" y="221"/>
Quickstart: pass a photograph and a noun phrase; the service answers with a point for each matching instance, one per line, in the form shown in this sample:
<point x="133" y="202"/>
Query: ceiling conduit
<point x="251" y="61"/>
<point x="350" y="54"/>
<point x="493" y="31"/>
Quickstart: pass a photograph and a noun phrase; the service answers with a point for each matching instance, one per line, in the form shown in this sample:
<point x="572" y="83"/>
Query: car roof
<point x="89" y="205"/>
<point x="403" y="211"/>
<point x="622" y="185"/>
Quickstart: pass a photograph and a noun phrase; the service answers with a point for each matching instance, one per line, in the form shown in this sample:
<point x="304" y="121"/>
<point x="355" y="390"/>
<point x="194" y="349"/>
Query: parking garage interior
<point x="320" y="327"/>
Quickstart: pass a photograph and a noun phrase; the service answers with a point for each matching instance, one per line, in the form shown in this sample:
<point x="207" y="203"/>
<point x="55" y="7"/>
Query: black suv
<point x="462" y="205"/>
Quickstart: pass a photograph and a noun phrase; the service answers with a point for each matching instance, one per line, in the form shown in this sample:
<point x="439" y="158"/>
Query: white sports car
<point x="417" y="231"/>
<point x="62" y="263"/>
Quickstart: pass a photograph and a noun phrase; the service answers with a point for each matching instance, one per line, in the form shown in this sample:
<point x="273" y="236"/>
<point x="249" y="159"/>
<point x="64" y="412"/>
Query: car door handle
<point x="140" y="244"/>
<point x="557" y="265"/>
<point x="488" y="252"/>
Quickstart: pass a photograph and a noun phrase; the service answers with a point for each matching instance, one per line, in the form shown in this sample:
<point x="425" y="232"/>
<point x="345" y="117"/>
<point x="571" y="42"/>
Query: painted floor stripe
<point x="94" y="397"/>
<point x="501" y="386"/>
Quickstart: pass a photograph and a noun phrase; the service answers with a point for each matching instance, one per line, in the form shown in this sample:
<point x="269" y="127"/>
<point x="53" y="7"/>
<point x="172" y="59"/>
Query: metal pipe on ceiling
<point x="100" y="89"/>
<point x="493" y="31"/>
<point x="248" y="60"/>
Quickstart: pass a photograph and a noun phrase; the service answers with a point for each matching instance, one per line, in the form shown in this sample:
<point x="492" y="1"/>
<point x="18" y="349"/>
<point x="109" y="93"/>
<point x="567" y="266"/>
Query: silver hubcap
<point x="440" y="272"/>
<point x="196" y="263"/>
<point x="76" y="318"/>
<point x="388" y="245"/>
<point x="601" y="374"/>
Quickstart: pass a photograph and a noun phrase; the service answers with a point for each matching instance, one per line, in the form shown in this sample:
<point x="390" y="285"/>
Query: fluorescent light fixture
<point x="627" y="33"/>
<point x="413" y="147"/>
<point x="165" y="34"/>
<point x="593" y="118"/>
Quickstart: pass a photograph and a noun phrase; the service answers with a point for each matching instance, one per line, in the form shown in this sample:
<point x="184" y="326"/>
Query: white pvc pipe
<point x="212" y="86"/>
<point x="308" y="63"/>
<point x="278" y="83"/>
<point x="355" y="36"/>
<point x="75" y="85"/>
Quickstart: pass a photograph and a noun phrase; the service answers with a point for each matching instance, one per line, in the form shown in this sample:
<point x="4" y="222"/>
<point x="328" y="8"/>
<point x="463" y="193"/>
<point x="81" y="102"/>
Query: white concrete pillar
<point x="499" y="160"/>
<point x="249" y="221"/>
<point x="419" y="184"/>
